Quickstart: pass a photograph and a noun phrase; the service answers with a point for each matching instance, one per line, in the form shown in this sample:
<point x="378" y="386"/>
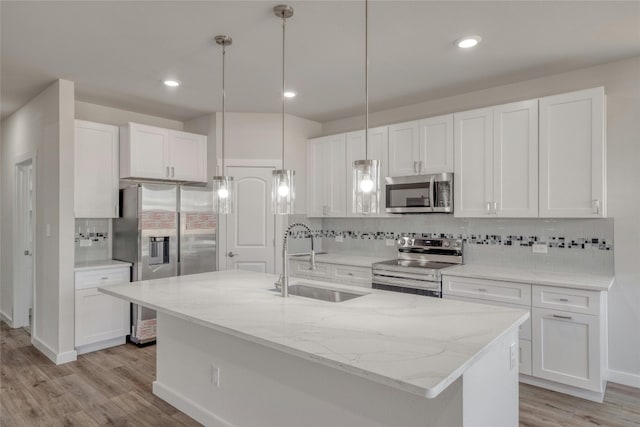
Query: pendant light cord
<point x="366" y="78"/>
<point x="284" y="28"/>
<point x="224" y="95"/>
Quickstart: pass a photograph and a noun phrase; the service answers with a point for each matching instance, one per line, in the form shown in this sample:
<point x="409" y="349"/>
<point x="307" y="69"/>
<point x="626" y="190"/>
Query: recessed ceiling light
<point x="468" y="42"/>
<point x="172" y="83"/>
<point x="289" y="94"/>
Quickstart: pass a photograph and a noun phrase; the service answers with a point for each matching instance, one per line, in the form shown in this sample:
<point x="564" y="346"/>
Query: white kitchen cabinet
<point x="378" y="150"/>
<point x="96" y="170"/>
<point x="573" y="155"/>
<point x="101" y="320"/>
<point x="566" y="348"/>
<point x="496" y="157"/>
<point x="421" y="146"/>
<point x="326" y="179"/>
<point x="149" y="152"/>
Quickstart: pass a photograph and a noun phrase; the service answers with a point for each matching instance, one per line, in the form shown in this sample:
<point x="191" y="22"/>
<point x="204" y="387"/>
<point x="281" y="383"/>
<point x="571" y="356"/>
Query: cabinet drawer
<point x="525" y="328"/>
<point x="303" y="269"/>
<point x="525" y="357"/>
<point x="566" y="299"/>
<point x="489" y="290"/>
<point x="352" y="275"/>
<point x="94" y="278"/>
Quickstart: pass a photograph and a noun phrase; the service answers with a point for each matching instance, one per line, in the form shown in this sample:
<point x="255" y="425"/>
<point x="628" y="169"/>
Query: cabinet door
<point x="188" y="156"/>
<point x="404" y="148"/>
<point x="378" y="150"/>
<point x="99" y="317"/>
<point x="566" y="348"/>
<point x="146" y="152"/>
<point x="515" y="159"/>
<point x="336" y="176"/>
<point x="317" y="188"/>
<point x="473" y="159"/>
<point x="436" y="144"/>
<point x="96" y="170"/>
<point x="573" y="155"/>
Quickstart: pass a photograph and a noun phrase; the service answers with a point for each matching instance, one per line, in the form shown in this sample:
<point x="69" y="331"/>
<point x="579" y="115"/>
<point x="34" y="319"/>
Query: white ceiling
<point x="117" y="53"/>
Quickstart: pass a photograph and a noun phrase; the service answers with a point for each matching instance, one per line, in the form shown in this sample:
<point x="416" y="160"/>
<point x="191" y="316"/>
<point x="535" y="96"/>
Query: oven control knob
<point x="400" y="242"/>
<point x="445" y="244"/>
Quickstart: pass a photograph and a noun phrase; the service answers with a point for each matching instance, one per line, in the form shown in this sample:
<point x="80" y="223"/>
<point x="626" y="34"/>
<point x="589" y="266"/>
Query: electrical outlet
<point x="339" y="239"/>
<point x="513" y="355"/>
<point x="390" y="242"/>
<point x="84" y="243"/>
<point x="215" y="376"/>
<point x="539" y="248"/>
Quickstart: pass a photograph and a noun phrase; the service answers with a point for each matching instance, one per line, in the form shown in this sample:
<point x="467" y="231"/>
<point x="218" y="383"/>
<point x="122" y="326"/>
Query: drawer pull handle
<point x="564" y="300"/>
<point x="557" y="316"/>
<point x="103" y="278"/>
<point x="350" y="274"/>
<point x="482" y="290"/>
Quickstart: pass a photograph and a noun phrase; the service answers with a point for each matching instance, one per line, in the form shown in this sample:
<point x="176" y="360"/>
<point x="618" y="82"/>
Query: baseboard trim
<point x="88" y="348"/>
<point x="189" y="407"/>
<point x="57" y="358"/>
<point x="593" y="396"/>
<point x="624" y="378"/>
<point x="6" y="319"/>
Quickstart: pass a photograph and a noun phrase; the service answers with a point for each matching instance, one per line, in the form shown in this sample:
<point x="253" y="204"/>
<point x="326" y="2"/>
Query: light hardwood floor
<point x="113" y="388"/>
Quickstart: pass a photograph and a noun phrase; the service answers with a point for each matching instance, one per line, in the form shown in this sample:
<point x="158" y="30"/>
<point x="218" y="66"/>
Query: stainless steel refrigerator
<point x="165" y="230"/>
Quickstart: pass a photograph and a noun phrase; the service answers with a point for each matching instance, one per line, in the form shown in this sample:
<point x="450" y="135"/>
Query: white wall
<point x="621" y="80"/>
<point x="44" y="128"/>
<point x="117" y="117"/>
<point x="259" y="136"/>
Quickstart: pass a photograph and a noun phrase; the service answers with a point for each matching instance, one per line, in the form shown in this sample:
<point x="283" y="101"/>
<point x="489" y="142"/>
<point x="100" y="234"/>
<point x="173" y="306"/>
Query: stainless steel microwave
<point x="420" y="194"/>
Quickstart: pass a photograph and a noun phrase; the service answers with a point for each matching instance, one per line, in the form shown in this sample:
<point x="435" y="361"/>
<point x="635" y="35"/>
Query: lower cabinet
<point x="566" y="348"/>
<point x="563" y="343"/>
<point x="101" y="320"/>
<point x="337" y="273"/>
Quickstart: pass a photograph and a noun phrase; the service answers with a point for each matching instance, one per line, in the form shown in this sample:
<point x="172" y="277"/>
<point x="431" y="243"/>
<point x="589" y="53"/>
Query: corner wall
<point x="621" y="81"/>
<point x="44" y="129"/>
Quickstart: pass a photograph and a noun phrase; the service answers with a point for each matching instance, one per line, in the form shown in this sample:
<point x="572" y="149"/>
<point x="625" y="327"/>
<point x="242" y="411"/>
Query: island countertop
<point x="414" y="343"/>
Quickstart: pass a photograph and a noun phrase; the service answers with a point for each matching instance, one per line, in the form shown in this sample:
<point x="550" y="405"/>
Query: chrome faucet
<point x="283" y="282"/>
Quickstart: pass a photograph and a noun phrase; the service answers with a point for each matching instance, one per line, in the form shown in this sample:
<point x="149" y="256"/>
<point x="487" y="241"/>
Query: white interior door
<point x="25" y="217"/>
<point x="250" y="229"/>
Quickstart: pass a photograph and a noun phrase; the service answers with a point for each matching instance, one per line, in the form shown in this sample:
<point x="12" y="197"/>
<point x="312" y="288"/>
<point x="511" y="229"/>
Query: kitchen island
<point x="232" y="352"/>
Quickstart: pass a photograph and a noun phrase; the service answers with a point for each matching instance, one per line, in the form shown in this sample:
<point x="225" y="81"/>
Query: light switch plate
<point x="339" y="239"/>
<point x="390" y="242"/>
<point x="539" y="248"/>
<point x="84" y="243"/>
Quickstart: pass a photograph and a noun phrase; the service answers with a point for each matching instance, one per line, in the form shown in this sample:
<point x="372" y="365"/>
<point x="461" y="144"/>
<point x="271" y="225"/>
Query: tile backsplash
<point x="579" y="245"/>
<point x="92" y="240"/>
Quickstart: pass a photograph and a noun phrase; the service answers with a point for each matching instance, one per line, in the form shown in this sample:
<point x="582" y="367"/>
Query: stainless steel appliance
<point x="420" y="194"/>
<point x="164" y="230"/>
<point x="417" y="270"/>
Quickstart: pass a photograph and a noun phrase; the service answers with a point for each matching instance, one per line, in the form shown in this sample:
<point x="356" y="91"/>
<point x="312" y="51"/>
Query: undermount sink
<point x="324" y="294"/>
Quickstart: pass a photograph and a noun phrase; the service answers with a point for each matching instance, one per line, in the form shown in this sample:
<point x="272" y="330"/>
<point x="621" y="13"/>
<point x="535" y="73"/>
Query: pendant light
<point x="223" y="185"/>
<point x="366" y="173"/>
<point x="282" y="189"/>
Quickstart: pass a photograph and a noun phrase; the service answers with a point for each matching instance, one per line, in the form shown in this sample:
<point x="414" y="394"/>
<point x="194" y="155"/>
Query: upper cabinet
<point x="496" y="158"/>
<point x="96" y="170"/>
<point x="149" y="152"/>
<point x="421" y="147"/>
<point x="378" y="150"/>
<point x="573" y="155"/>
<point x="326" y="179"/>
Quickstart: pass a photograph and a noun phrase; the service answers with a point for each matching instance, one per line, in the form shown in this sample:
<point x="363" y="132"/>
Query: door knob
<point x="231" y="254"/>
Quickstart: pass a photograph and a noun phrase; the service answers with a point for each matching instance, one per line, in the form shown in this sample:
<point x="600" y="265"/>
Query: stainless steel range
<point x="417" y="270"/>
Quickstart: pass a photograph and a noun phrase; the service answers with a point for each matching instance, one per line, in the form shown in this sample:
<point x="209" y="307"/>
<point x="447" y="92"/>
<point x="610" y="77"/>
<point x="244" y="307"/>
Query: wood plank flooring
<point x="112" y="387"/>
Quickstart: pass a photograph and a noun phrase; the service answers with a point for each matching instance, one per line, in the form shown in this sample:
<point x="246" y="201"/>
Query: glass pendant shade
<point x="283" y="192"/>
<point x="366" y="187"/>
<point x="223" y="194"/>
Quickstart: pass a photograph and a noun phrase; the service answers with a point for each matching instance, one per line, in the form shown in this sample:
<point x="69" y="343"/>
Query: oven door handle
<point x="401" y="275"/>
<point x="407" y="283"/>
<point x="432" y="191"/>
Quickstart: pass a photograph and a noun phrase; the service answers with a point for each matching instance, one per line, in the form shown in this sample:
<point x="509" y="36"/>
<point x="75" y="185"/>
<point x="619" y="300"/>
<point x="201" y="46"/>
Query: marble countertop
<point x="96" y="265"/>
<point x="342" y="259"/>
<point x="414" y="343"/>
<point x="588" y="282"/>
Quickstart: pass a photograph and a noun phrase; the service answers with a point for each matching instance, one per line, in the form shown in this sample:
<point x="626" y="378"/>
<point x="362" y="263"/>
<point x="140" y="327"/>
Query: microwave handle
<point x="432" y="191"/>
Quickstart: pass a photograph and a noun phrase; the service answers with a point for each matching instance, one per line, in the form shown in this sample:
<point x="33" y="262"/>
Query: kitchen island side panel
<point x="262" y="386"/>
